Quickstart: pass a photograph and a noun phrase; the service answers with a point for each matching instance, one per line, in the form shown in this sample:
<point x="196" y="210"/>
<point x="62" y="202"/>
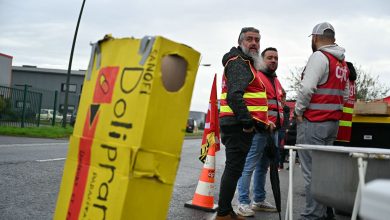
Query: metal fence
<point x="53" y="101"/>
<point x="22" y="107"/>
<point x="19" y="107"/>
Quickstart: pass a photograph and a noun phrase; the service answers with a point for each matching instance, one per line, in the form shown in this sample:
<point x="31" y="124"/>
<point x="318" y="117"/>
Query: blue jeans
<point x="256" y="159"/>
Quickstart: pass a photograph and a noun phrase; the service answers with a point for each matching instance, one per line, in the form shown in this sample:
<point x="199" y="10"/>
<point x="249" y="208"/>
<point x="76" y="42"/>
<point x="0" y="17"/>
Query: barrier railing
<point x="360" y="153"/>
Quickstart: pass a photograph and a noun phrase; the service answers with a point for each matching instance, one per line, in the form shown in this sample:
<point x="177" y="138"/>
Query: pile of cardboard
<point x="371" y="108"/>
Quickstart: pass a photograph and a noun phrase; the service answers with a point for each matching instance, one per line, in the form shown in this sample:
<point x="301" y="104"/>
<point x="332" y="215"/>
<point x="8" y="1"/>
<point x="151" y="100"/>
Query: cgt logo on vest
<point x="341" y="73"/>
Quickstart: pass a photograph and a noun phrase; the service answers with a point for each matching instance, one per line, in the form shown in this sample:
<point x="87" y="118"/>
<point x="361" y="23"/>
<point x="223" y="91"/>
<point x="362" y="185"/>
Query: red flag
<point x="211" y="129"/>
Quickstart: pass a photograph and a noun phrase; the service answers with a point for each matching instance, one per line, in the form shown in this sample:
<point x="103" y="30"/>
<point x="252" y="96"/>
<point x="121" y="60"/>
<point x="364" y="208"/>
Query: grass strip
<point x="41" y="132"/>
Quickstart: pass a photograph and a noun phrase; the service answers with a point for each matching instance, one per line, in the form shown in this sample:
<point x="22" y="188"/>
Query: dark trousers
<point x="237" y="144"/>
<point x="282" y="151"/>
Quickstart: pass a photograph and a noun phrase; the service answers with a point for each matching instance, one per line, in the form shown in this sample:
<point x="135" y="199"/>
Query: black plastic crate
<point x="370" y="135"/>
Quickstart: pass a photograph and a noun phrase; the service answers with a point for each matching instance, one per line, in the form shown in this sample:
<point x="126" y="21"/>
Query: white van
<point x="47" y="114"/>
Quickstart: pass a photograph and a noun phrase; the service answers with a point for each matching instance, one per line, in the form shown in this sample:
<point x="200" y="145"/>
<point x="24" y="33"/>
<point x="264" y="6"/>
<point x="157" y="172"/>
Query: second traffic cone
<point x="204" y="193"/>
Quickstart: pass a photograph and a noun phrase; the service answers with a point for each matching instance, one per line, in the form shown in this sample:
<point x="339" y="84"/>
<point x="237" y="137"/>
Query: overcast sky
<point x="40" y="32"/>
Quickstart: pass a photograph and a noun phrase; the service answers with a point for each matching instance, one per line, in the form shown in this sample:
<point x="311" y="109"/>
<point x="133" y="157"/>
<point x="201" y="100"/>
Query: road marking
<point x="33" y="144"/>
<point x="47" y="160"/>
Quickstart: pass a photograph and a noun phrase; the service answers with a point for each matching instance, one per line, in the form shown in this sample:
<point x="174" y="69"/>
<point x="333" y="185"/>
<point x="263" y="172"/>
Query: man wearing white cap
<point x="324" y="88"/>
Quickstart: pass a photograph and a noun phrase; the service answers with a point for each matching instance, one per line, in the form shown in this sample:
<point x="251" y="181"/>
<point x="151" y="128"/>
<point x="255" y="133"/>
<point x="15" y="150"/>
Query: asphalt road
<point x="31" y="171"/>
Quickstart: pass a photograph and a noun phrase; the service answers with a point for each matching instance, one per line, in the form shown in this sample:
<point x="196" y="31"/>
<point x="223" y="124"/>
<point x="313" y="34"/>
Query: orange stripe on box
<point x="84" y="159"/>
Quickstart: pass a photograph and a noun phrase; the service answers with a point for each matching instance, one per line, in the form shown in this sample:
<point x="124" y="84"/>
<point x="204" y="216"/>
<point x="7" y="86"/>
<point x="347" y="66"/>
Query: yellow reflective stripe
<point x="345" y="123"/>
<point x="225" y="109"/>
<point x="255" y="95"/>
<point x="249" y="95"/>
<point x="257" y="108"/>
<point x="348" y="110"/>
<point x="250" y="108"/>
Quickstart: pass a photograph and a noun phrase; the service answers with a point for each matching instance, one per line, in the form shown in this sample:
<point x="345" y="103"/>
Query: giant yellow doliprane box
<point x="125" y="148"/>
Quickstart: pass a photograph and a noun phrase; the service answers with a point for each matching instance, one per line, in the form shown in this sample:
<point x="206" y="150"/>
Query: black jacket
<point x="291" y="134"/>
<point x="238" y="76"/>
<point x="286" y="118"/>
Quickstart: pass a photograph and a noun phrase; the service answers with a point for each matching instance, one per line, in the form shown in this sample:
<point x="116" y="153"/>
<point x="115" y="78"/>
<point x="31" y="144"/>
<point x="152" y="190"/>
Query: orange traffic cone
<point x="204" y="193"/>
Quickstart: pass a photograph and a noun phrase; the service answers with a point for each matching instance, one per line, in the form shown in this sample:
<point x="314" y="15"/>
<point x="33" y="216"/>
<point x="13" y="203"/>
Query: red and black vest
<point x="327" y="101"/>
<point x="345" y="123"/>
<point x="255" y="97"/>
<point x="274" y="98"/>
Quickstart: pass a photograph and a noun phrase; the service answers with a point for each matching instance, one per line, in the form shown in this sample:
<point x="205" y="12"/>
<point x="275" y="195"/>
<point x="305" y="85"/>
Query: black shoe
<point x="231" y="215"/>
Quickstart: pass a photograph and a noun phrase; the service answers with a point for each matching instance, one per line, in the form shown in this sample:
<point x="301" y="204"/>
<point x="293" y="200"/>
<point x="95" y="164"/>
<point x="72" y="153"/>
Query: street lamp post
<point x="65" y="113"/>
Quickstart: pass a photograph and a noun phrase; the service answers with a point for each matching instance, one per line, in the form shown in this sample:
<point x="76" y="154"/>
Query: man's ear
<point x="315" y="39"/>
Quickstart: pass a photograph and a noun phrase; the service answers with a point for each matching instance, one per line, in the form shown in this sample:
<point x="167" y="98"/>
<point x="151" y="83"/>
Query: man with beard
<point x="319" y="105"/>
<point x="243" y="109"/>
<point x="256" y="158"/>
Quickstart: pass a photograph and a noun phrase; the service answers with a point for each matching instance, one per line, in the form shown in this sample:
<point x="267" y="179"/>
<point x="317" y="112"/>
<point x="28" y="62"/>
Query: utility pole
<point x="65" y="113"/>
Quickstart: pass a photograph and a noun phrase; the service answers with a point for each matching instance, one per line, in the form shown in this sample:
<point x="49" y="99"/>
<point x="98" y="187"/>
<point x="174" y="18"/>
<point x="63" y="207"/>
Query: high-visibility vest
<point x="345" y="123"/>
<point x="274" y="98"/>
<point x="255" y="96"/>
<point x="327" y="101"/>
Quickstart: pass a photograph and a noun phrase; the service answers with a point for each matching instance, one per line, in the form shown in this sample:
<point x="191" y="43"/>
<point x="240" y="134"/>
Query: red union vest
<point x="345" y="123"/>
<point x="274" y="98"/>
<point x="327" y="101"/>
<point x="255" y="97"/>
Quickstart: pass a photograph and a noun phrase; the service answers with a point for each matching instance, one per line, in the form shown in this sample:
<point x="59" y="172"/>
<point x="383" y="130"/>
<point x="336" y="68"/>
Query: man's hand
<point x="271" y="126"/>
<point x="248" y="130"/>
<point x="299" y="118"/>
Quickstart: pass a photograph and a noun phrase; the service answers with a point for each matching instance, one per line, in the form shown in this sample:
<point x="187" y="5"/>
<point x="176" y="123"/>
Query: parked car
<point x="73" y="118"/>
<point x="191" y="125"/>
<point x="68" y="117"/>
<point x="47" y="114"/>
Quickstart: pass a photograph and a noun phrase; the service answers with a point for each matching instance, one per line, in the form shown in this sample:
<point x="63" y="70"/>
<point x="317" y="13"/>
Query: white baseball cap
<point x="321" y="27"/>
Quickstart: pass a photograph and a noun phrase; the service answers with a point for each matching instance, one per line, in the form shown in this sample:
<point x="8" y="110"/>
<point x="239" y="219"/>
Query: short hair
<point x="244" y="30"/>
<point x="267" y="49"/>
